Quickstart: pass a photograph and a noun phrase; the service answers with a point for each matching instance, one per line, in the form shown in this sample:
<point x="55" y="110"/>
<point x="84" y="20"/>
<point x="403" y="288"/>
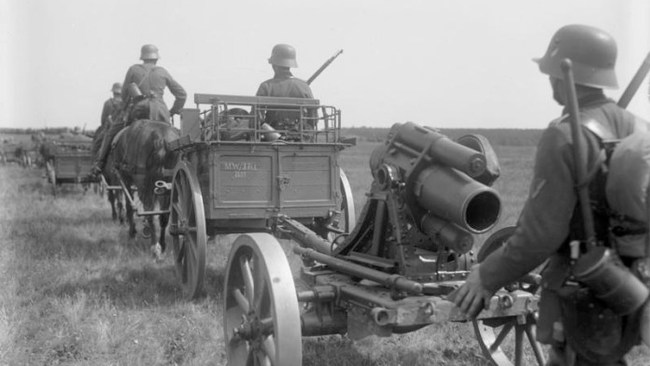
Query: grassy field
<point x="74" y="290"/>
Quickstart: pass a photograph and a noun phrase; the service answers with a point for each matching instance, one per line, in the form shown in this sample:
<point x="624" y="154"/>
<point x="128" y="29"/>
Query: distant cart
<point x="69" y="163"/>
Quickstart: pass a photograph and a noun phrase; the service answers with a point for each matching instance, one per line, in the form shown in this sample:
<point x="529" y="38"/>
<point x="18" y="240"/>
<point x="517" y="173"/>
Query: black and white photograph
<point x="325" y="183"/>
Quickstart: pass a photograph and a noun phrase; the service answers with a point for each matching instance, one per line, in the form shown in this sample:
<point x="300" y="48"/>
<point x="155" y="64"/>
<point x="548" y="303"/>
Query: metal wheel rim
<point x="188" y="219"/>
<point x="347" y="204"/>
<point x="261" y="316"/>
<point x="491" y="338"/>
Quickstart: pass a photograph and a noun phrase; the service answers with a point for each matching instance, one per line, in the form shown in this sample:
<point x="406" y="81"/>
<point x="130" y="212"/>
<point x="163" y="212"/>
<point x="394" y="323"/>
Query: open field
<point x="74" y="290"/>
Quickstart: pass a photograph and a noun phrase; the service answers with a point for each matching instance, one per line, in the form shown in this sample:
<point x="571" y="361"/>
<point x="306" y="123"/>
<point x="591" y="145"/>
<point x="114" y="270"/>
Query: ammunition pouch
<point x="592" y="328"/>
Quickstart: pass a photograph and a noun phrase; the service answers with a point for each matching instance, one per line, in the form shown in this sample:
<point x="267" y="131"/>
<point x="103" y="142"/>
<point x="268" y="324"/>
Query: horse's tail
<point x="163" y="154"/>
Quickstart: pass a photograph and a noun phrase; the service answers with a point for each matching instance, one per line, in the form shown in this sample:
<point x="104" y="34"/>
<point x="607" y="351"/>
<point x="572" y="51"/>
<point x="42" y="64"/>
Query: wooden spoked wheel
<point x="348" y="214"/>
<point x="496" y="335"/>
<point x="261" y="317"/>
<point x="187" y="229"/>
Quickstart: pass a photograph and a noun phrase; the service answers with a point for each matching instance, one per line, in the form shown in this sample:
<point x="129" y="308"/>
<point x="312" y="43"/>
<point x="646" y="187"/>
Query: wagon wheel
<point x="261" y="318"/>
<point x="348" y="214"/>
<point x="187" y="229"/>
<point x="493" y="334"/>
<point x="333" y="230"/>
<point x="51" y="175"/>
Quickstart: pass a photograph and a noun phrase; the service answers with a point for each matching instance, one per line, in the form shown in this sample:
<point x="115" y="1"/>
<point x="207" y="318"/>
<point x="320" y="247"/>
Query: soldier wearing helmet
<point x="284" y="84"/>
<point x="143" y="90"/>
<point x="147" y="80"/>
<point x="112" y="106"/>
<point x="551" y="217"/>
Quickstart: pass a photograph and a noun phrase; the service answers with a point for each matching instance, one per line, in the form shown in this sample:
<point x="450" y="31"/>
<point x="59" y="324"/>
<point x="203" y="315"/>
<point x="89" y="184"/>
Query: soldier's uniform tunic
<point x="551" y="215"/>
<point x="112" y="108"/>
<point x="152" y="80"/>
<point x="283" y="84"/>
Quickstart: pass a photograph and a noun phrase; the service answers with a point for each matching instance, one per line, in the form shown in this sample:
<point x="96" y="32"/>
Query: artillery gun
<point x="412" y="246"/>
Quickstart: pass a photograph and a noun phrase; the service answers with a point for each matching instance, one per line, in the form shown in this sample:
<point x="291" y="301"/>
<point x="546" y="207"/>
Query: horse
<point x="141" y="157"/>
<point x="115" y="197"/>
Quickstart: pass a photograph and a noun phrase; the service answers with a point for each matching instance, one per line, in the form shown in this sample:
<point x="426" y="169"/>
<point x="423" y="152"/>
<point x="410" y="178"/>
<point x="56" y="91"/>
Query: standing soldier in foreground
<point x="551" y="217"/>
<point x="284" y="84"/>
<point x="112" y="106"/>
<point x="143" y="90"/>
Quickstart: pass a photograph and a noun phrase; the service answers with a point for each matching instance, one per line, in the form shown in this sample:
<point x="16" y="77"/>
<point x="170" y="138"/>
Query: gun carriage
<point x="413" y="245"/>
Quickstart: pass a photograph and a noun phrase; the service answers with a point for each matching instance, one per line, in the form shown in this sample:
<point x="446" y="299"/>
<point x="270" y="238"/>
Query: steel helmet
<point x="149" y="52"/>
<point x="117" y="88"/>
<point x="283" y="55"/>
<point x="591" y="50"/>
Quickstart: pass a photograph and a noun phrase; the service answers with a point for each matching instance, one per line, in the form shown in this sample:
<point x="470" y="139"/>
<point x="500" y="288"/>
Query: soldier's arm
<point x="128" y="79"/>
<point x="178" y="92"/>
<point x="544" y="222"/>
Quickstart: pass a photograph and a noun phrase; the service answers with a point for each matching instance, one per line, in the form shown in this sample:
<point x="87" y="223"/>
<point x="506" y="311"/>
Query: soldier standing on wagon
<point x="284" y="84"/>
<point x="143" y="90"/>
<point x="577" y="331"/>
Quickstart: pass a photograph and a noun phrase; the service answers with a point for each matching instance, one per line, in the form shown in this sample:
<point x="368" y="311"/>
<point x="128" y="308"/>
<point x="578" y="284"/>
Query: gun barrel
<point x="438" y="147"/>
<point x="452" y="195"/>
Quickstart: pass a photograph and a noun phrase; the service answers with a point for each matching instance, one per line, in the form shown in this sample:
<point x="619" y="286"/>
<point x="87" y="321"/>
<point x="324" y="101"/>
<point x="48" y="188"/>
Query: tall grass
<point x="75" y="290"/>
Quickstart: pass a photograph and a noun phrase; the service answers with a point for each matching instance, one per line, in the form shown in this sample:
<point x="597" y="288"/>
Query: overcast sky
<point x="438" y="63"/>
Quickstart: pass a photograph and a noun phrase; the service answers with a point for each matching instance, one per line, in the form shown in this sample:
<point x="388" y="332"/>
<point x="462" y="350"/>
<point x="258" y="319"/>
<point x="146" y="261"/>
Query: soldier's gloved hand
<point x="472" y="296"/>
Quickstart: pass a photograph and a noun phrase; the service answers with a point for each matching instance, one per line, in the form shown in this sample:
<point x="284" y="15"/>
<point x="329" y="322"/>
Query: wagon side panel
<point x="307" y="181"/>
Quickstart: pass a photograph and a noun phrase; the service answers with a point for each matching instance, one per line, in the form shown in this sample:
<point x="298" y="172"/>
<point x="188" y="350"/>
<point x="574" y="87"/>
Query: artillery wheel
<point x="261" y="317"/>
<point x="492" y="334"/>
<point x="187" y="229"/>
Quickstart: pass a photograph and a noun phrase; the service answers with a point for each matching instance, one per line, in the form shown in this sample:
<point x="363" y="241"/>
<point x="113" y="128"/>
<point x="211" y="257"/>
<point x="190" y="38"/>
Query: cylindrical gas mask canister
<point x="610" y="280"/>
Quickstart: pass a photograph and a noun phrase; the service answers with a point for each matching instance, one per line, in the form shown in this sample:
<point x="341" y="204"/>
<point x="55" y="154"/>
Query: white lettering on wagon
<point x="239" y="168"/>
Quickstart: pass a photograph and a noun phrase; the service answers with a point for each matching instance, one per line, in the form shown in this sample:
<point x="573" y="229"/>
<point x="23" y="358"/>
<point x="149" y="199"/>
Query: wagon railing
<point x="260" y="119"/>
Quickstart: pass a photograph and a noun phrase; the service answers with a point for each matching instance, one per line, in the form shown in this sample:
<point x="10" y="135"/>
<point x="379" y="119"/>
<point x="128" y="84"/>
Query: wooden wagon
<point x="238" y="174"/>
<point x="69" y="163"/>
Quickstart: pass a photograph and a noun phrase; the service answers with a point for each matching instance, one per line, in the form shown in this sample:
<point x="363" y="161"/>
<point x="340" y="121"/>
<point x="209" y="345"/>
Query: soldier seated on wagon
<point x="284" y="84"/>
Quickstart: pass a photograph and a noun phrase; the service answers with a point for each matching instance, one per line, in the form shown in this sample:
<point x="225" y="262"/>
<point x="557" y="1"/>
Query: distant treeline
<point x="30" y="131"/>
<point x="496" y="136"/>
